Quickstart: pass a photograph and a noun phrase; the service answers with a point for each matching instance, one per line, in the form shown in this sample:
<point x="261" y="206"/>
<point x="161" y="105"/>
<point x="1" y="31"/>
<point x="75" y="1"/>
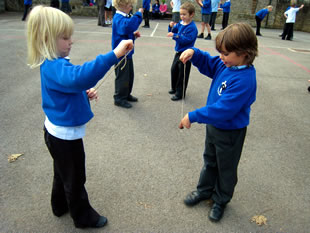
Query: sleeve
<point x="70" y="78"/>
<point x="186" y="37"/>
<point x="207" y="64"/>
<point x="130" y="25"/>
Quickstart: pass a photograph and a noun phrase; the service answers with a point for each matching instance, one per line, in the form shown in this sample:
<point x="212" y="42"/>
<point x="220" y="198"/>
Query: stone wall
<point x="241" y="11"/>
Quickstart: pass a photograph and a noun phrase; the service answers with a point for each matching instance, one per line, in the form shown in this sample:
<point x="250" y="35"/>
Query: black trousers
<point x="68" y="192"/>
<point x="258" y="24"/>
<point x="27" y="7"/>
<point x="146" y="17"/>
<point x="212" y="20"/>
<point x="177" y="75"/>
<point x="218" y="176"/>
<point x="225" y="19"/>
<point x="288" y="31"/>
<point x="55" y="3"/>
<point x="124" y="80"/>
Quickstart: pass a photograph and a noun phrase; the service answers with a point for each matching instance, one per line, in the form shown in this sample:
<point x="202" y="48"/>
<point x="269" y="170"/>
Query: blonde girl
<point x="66" y="90"/>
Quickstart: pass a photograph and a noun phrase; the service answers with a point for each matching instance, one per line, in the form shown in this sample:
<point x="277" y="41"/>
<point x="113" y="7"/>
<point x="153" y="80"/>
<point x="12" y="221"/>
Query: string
<point x="106" y="76"/>
<point x="183" y="94"/>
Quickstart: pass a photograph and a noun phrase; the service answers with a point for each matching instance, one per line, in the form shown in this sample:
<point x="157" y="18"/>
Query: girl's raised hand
<point x="186" y="55"/>
<point x="123" y="48"/>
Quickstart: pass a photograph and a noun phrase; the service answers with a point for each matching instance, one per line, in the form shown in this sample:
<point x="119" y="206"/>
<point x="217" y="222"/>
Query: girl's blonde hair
<point x="44" y="26"/>
<point x="119" y="4"/>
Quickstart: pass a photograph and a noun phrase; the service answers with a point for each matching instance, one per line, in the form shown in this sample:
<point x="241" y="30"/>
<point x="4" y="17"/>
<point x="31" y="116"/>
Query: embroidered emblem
<point x="222" y="87"/>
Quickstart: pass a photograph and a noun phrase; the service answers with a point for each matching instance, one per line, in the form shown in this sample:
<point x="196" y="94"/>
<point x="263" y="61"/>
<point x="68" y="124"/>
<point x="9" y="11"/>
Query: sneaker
<point x="200" y="35"/>
<point x="208" y="37"/>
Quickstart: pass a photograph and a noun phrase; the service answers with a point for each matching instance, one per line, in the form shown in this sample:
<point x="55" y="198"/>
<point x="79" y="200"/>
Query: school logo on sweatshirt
<point x="222" y="87"/>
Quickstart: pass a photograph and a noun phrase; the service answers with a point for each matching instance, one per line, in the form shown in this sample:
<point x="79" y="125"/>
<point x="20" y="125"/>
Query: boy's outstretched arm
<point x="185" y="122"/>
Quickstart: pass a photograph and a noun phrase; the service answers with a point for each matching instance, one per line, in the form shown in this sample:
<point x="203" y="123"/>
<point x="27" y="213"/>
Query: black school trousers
<point x="177" y="75"/>
<point x="218" y="176"/>
<point x="258" y="25"/>
<point x="68" y="192"/>
<point x="225" y="20"/>
<point x="124" y="73"/>
<point x="288" y="31"/>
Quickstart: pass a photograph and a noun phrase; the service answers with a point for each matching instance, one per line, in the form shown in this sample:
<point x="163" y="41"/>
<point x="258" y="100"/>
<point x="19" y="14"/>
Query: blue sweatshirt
<point x="123" y="28"/>
<point x="230" y="96"/>
<point x="206" y="7"/>
<point x="146" y="4"/>
<point x="262" y="13"/>
<point x="184" y="35"/>
<point x="27" y="2"/>
<point x="226" y="7"/>
<point x="64" y="85"/>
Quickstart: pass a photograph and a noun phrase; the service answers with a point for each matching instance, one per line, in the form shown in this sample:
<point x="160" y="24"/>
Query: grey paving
<point x="139" y="164"/>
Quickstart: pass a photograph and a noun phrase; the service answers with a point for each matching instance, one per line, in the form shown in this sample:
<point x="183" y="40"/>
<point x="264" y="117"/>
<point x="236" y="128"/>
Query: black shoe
<point x="171" y="92"/>
<point x="132" y="98"/>
<point x="146" y="26"/>
<point x="104" y="25"/>
<point x="216" y="212"/>
<point x="200" y="35"/>
<point x="194" y="198"/>
<point x="208" y="37"/>
<point x="101" y="223"/>
<point x="258" y="34"/>
<point x="213" y="29"/>
<point x="123" y="104"/>
<point x="60" y="213"/>
<point x="309" y="88"/>
<point x="175" y="98"/>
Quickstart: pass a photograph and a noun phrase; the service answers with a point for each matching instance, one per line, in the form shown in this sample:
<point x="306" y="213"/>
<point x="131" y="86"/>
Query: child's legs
<point x="175" y="71"/>
<point x="146" y="17"/>
<point x="69" y="162"/>
<point x="285" y="32"/>
<point x="225" y="19"/>
<point x="209" y="172"/>
<point x="258" y="25"/>
<point x="131" y="75"/>
<point x="122" y="81"/>
<point x="228" y="146"/>
<point x="290" y="31"/>
<point x="182" y="78"/>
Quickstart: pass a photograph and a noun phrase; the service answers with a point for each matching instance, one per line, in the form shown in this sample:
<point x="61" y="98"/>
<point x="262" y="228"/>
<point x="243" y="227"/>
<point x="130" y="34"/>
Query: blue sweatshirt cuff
<point x="192" y="116"/>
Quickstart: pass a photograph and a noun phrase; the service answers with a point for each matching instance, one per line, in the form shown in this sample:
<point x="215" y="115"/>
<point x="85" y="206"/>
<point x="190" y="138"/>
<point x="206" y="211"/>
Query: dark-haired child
<point x="184" y="34"/>
<point x="226" y="114"/>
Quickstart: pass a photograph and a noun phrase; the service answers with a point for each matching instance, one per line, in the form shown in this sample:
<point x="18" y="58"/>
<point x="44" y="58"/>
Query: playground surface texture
<point x="139" y="165"/>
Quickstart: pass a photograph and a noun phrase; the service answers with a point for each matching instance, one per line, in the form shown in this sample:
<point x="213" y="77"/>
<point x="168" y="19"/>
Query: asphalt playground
<point x="140" y="166"/>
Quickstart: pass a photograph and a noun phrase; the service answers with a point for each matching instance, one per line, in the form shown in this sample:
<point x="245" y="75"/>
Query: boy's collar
<point x="239" y="67"/>
<point x="122" y="13"/>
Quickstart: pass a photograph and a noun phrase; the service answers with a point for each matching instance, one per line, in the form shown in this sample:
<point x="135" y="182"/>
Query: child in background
<point x="175" y="4"/>
<point x="226" y="114"/>
<point x="226" y="10"/>
<point x="66" y="90"/>
<point x="155" y="10"/>
<point x="27" y="5"/>
<point x="125" y="27"/>
<point x="146" y="11"/>
<point x="184" y="34"/>
<point x="206" y="11"/>
<point x="290" y="16"/>
<point x="108" y="12"/>
<point x="259" y="16"/>
<point x="65" y="6"/>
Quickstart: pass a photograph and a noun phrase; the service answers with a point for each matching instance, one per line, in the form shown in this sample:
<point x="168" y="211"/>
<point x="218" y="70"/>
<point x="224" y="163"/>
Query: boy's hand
<point x="123" y="47"/>
<point x="137" y="34"/>
<point x="92" y="94"/>
<point x="170" y="34"/>
<point x="185" y="122"/>
<point x="186" y="55"/>
<point x="171" y="24"/>
<point x="141" y="10"/>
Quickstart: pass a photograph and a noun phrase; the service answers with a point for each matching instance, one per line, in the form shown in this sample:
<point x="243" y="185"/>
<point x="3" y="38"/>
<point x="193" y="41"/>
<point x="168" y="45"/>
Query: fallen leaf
<point x="145" y="75"/>
<point x="259" y="220"/>
<point x="14" y="157"/>
<point x="144" y="205"/>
